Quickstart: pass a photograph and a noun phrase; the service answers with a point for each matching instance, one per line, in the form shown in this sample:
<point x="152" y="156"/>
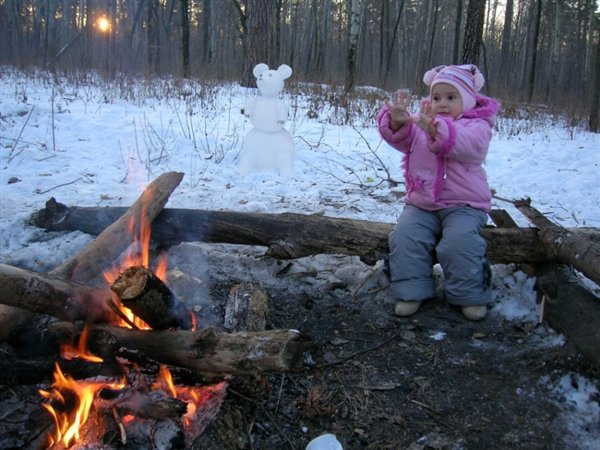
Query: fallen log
<point x="565" y="245"/>
<point x="65" y="300"/>
<point x="206" y="352"/>
<point x="286" y="236"/>
<point x="571" y="309"/>
<point x="567" y="306"/>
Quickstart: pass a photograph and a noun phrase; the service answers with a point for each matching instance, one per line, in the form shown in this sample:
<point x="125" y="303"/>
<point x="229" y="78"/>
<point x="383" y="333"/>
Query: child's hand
<point x="424" y="120"/>
<point x="398" y="108"/>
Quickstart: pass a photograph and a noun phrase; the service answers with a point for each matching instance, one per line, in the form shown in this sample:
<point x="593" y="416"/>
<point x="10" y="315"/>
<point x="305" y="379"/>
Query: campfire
<point x="138" y="327"/>
<point x="135" y="403"/>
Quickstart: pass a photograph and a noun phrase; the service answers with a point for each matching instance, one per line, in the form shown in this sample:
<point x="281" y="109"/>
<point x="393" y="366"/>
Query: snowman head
<point x="270" y="82"/>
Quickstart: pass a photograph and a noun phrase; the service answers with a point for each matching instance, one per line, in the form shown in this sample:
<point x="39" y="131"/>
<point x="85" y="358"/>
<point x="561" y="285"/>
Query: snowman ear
<point x="430" y="75"/>
<point x="259" y="69"/>
<point x="285" y="71"/>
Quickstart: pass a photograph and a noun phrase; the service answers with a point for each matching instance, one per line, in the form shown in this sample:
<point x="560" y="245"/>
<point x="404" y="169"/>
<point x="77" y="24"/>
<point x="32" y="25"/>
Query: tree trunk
<point x="185" y="37"/>
<point x="258" y="29"/>
<point x="506" y="39"/>
<point x="457" y="28"/>
<point x="355" y="21"/>
<point x="594" y="122"/>
<point x="534" y="57"/>
<point x="473" y="36"/>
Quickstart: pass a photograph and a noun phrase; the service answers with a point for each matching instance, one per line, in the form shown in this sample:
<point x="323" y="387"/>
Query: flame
<point x="194" y="396"/>
<point x="69" y="404"/>
<point x="165" y="381"/>
<point x="138" y="254"/>
<point x="68" y="351"/>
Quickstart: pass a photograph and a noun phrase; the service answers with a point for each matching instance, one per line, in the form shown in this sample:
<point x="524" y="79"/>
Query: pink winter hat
<point x="467" y="79"/>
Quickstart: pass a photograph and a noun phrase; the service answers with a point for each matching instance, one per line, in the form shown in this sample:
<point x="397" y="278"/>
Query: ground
<point x="385" y="382"/>
<point x="376" y="381"/>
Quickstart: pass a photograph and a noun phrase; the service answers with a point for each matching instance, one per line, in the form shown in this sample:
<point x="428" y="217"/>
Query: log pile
<point x="63" y="295"/>
<point x="83" y="311"/>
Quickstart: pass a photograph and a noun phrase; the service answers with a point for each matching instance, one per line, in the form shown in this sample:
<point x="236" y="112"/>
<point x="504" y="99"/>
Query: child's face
<point x="446" y="100"/>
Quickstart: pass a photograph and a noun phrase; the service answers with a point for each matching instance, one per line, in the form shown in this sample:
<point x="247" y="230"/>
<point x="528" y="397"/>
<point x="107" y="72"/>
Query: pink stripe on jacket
<point x="446" y="170"/>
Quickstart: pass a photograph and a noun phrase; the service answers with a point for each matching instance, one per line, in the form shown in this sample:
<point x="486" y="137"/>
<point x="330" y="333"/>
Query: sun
<point x="103" y="24"/>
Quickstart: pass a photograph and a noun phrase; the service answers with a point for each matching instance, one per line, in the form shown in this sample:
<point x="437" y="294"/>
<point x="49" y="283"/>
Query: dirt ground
<point x="384" y="382"/>
<point x="376" y="381"/>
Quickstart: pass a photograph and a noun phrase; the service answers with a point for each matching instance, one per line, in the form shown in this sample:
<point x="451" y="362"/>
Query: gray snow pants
<point x="452" y="236"/>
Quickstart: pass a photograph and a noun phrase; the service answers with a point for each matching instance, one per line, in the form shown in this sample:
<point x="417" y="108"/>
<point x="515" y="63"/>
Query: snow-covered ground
<point x="91" y="143"/>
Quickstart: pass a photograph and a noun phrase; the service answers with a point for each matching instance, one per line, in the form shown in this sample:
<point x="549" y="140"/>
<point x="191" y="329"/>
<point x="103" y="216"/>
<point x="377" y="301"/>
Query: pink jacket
<point x="454" y="175"/>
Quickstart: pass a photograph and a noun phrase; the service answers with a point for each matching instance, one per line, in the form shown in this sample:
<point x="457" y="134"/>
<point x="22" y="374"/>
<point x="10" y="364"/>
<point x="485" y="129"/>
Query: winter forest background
<point x="541" y="52"/>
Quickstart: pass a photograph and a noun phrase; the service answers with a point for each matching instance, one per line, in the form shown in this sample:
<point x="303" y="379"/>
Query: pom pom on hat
<point x="467" y="79"/>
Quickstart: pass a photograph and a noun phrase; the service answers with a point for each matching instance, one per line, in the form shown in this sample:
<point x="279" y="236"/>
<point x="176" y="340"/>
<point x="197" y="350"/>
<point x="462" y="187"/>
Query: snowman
<point x="268" y="146"/>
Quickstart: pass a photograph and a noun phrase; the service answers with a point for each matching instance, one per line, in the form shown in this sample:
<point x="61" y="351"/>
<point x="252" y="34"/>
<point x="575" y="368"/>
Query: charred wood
<point x="100" y="254"/>
<point x="140" y="290"/>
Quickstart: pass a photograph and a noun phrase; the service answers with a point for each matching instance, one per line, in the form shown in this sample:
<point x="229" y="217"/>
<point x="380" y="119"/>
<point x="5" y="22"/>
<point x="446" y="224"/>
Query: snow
<point x="88" y="142"/>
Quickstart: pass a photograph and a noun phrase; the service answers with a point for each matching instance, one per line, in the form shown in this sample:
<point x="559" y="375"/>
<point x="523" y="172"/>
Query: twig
<point x="10" y="156"/>
<point x="433" y="414"/>
<point x="119" y="313"/>
<point x="366" y="278"/>
<point x="37" y="191"/>
<point x="360" y="352"/>
<point x="119" y="423"/>
<point x="279" y="394"/>
<point x="347" y="396"/>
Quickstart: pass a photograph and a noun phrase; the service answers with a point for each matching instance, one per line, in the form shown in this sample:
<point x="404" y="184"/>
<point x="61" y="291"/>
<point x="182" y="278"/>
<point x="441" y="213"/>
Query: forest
<point x="545" y="53"/>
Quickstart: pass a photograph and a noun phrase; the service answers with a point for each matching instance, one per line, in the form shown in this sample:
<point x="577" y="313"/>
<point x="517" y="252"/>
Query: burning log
<point x="206" y="352"/>
<point x="97" y="256"/>
<point x="140" y="290"/>
<point x="116" y="237"/>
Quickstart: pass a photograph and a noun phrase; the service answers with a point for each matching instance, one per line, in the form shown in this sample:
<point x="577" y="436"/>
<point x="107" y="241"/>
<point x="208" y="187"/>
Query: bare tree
<point x="473" y="36"/>
<point x="257" y="19"/>
<point x="506" y="38"/>
<point x="457" y="29"/>
<point x="185" y="37"/>
<point x="534" y="57"/>
<point x="356" y="9"/>
<point x="594" y="122"/>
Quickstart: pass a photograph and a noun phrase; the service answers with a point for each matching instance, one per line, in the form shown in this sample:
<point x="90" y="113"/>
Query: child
<point x="447" y="197"/>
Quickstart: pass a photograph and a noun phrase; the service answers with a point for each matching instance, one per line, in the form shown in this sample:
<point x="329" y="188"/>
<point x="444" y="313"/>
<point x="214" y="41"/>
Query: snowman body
<point x="268" y="146"/>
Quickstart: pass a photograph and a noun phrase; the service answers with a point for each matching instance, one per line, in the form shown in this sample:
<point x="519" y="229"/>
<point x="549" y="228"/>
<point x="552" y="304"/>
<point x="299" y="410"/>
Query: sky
<point x="88" y="142"/>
